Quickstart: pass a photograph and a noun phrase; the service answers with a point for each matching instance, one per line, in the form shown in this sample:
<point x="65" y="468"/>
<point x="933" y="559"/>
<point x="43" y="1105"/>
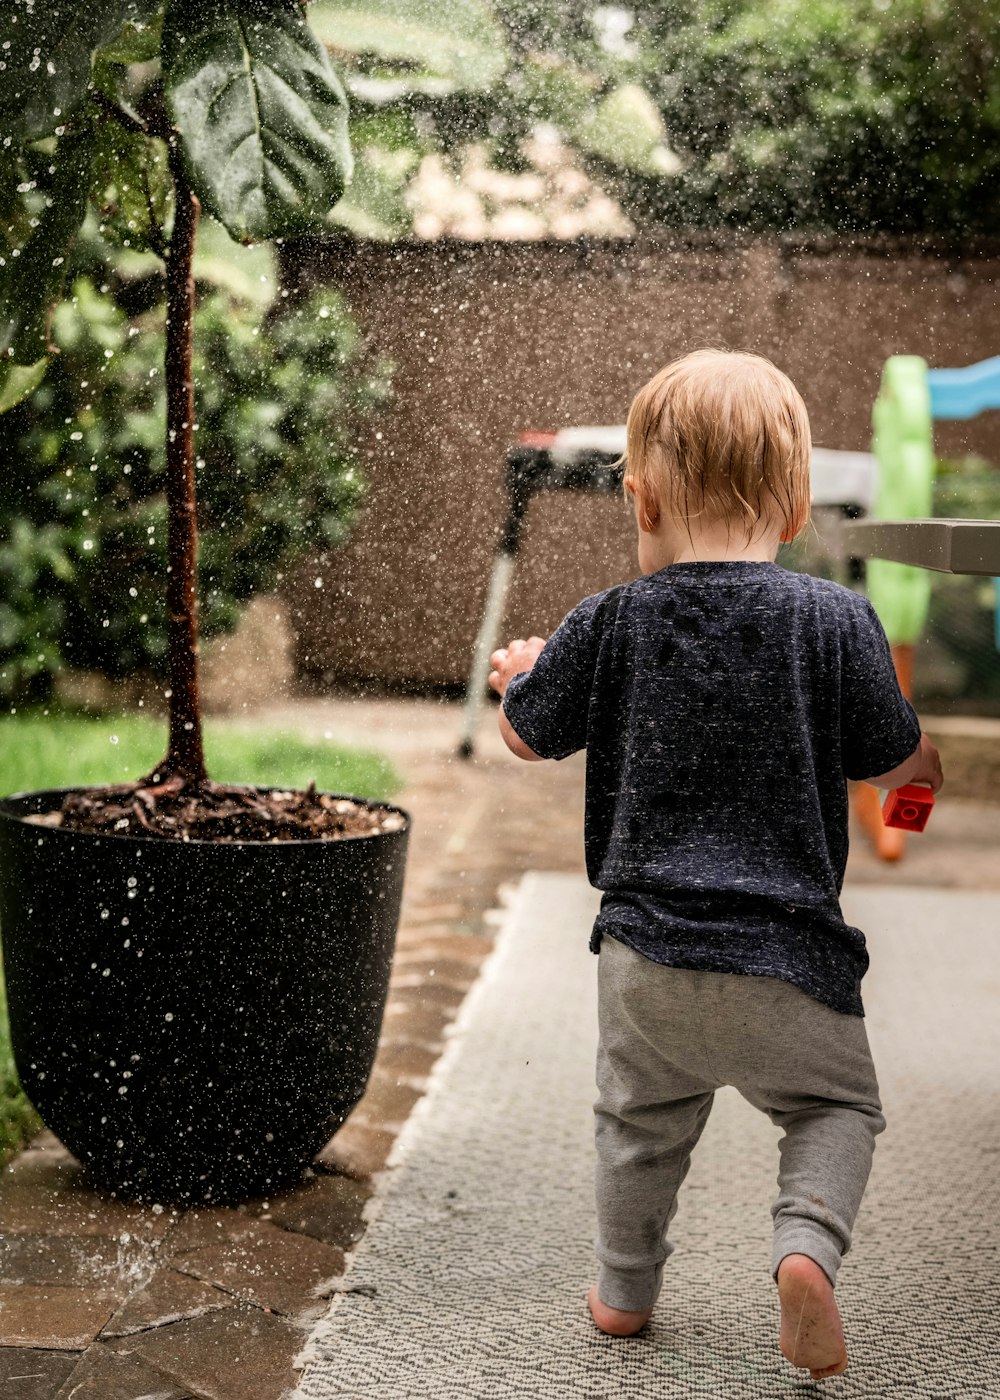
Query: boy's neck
<point x="670" y="543"/>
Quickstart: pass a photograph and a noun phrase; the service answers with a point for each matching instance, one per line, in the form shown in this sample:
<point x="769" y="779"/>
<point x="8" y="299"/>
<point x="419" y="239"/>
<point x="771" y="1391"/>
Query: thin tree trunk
<point x="185" y="759"/>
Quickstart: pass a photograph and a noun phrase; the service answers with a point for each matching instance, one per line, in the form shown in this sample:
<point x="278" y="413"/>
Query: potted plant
<point x="196" y="974"/>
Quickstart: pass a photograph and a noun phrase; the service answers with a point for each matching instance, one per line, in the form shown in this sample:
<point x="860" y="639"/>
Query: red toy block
<point x="908" y="807"/>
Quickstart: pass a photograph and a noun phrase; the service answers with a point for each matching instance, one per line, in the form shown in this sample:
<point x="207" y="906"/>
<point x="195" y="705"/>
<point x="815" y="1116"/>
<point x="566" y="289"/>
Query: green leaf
<point x="46" y="68"/>
<point x="132" y="187"/>
<point x="262" y="114"/>
<point x="139" y="39"/>
<point x="460" y="41"/>
<point x="626" y="130"/>
<point x="18" y="381"/>
<point x="32" y="281"/>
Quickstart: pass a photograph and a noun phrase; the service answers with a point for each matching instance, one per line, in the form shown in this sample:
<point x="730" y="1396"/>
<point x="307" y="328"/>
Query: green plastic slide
<point x="903" y="444"/>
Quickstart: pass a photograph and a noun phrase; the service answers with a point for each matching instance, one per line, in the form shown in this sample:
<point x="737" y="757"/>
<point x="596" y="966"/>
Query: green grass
<point x="69" y="750"/>
<point x="42" y="751"/>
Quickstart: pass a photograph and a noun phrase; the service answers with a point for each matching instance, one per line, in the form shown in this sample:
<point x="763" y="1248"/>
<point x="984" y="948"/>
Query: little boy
<point x="722" y="701"/>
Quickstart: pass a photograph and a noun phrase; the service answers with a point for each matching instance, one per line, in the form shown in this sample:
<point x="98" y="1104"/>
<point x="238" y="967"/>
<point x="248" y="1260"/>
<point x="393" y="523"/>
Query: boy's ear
<point x="647" y="508"/>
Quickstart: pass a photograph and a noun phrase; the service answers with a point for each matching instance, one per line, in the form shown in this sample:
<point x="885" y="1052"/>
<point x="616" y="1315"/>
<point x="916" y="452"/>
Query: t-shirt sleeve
<point x="547" y="706"/>
<point x="879" y="728"/>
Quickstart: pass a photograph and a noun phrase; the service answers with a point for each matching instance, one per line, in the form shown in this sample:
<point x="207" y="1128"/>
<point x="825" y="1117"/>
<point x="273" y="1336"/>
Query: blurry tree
<point x="843" y="115"/>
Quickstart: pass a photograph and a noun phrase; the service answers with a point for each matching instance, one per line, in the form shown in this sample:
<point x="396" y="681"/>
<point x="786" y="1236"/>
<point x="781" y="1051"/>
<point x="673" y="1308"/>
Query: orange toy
<point x="908" y="807"/>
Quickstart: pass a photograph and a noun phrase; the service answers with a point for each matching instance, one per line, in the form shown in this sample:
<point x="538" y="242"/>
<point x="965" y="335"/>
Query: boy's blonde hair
<point x="724" y="435"/>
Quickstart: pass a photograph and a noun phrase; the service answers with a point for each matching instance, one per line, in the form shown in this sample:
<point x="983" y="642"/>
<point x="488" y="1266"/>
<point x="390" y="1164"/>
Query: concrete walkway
<point x="99" y="1301"/>
<point x="470" y="1283"/>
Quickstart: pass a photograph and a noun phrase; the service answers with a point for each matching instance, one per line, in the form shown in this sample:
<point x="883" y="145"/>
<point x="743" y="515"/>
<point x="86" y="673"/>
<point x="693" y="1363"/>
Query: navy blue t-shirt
<point x="722" y="704"/>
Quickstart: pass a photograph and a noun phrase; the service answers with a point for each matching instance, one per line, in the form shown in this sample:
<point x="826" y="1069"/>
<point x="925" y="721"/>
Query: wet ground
<point x="99" y="1301"/>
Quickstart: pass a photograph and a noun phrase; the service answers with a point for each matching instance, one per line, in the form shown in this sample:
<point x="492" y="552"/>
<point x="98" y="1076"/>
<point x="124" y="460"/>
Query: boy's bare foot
<point x="615" y="1321"/>
<point x="811" y="1332"/>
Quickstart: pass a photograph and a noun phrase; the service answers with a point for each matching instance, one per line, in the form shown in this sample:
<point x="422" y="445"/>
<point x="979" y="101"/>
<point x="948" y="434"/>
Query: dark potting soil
<point x="218" y="813"/>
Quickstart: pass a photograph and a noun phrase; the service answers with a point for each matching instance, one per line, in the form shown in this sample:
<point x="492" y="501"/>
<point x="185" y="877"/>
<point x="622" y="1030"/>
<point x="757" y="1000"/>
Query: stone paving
<point x="100" y="1300"/>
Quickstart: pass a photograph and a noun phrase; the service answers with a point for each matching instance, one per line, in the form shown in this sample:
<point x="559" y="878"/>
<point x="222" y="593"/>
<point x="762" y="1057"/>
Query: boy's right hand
<point x="922" y="766"/>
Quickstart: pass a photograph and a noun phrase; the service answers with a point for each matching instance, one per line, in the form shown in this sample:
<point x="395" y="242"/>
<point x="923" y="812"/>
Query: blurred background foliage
<point x="958" y="660"/>
<point x="83" y="517"/>
<point x="833" y="115"/>
<point x="828" y="114"/>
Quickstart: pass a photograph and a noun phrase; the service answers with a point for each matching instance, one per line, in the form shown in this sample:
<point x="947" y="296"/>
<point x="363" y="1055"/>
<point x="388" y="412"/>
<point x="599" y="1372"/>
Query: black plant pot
<point x="194" y="1020"/>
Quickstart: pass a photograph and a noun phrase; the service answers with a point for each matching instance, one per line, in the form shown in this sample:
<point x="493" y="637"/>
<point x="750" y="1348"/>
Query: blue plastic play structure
<point x="963" y="393"/>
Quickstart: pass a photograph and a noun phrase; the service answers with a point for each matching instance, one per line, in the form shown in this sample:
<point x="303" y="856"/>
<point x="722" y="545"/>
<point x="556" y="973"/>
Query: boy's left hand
<point x="518" y="655"/>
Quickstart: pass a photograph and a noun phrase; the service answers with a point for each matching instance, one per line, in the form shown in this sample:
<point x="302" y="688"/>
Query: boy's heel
<point x="812" y="1335"/>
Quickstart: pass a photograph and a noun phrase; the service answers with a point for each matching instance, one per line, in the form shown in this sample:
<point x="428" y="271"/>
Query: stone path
<point x="101" y="1301"/>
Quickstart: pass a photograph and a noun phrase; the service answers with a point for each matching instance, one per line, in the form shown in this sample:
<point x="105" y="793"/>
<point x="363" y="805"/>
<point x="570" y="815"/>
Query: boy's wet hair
<point x="725" y="436"/>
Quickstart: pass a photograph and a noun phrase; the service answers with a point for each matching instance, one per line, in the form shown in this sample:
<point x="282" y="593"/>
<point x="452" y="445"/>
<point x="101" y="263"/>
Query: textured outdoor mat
<point x="470" y="1283"/>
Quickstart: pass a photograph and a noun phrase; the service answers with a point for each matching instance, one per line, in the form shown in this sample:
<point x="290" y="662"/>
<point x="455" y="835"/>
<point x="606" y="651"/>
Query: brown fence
<point x="490" y="339"/>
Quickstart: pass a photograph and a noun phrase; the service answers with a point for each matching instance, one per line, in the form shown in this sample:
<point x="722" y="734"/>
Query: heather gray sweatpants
<point x="669" y="1037"/>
